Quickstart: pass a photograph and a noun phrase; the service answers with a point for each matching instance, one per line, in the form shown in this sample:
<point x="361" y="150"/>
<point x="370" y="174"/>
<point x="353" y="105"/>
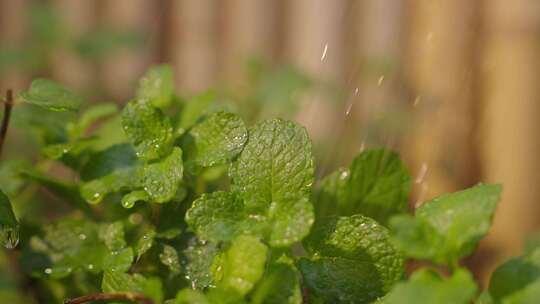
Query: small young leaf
<point x="376" y="185"/>
<point x="129" y="200"/>
<point x="190" y="296"/>
<point x="217" y="216"/>
<point x="448" y="227"/>
<point x="280" y="285"/>
<point x="353" y="260"/>
<point x="196" y="108"/>
<point x="113" y="235"/>
<point x="148" y="129"/>
<point x="9" y="226"/>
<point x="169" y="257"/>
<point x="217" y="139"/>
<point x="118" y="260"/>
<point x="95" y="190"/>
<point x="426" y="286"/>
<point x="89" y="117"/>
<point x="214" y="296"/>
<point x="157" y="86"/>
<point x="242" y="264"/>
<point x="50" y="95"/>
<point x="123" y="282"/>
<point x="516" y="278"/>
<point x="145" y="242"/>
<point x="197" y="261"/>
<point x="102" y="163"/>
<point x="161" y="180"/>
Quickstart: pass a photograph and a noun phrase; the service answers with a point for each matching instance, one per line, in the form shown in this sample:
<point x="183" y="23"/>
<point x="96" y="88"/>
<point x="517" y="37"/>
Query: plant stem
<point x="117" y="296"/>
<point x="8" y="104"/>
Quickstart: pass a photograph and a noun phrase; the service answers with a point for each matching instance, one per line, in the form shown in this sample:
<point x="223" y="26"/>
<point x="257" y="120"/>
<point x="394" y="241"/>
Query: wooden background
<point x="465" y="71"/>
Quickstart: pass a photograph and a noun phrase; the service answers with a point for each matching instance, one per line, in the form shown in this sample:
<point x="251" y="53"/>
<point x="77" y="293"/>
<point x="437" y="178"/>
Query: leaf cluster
<point x="179" y="201"/>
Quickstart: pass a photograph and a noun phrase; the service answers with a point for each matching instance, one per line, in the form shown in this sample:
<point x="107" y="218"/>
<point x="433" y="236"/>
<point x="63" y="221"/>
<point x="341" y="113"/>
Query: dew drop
<point x="48" y="271"/>
<point x="90" y="266"/>
<point x="128" y="203"/>
<point x="82" y="236"/>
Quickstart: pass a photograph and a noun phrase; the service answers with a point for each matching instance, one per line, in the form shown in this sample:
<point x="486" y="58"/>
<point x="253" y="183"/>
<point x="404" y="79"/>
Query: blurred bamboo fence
<point x="465" y="73"/>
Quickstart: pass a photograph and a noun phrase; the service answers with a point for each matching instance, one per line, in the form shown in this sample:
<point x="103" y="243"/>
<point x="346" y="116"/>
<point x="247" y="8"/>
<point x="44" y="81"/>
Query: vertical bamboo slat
<point x="376" y="49"/>
<point x="194" y="43"/>
<point x="314" y="43"/>
<point x="510" y="125"/>
<point x="121" y="70"/>
<point x="439" y="68"/>
<point x="12" y="31"/>
<point x="77" y="17"/>
<point x="250" y="30"/>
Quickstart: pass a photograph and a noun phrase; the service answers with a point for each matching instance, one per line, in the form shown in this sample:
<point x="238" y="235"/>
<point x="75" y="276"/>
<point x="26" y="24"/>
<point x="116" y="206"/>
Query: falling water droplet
<point x="417" y="101"/>
<point x="128" y="202"/>
<point x="323" y="56"/>
<point x="422" y="173"/>
<point x="348" y="109"/>
<point x="380" y="81"/>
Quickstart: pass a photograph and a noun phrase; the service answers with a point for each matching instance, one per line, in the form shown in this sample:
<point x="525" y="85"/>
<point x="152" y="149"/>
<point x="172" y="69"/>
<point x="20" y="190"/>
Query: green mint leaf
<point x="450" y="225"/>
<point x="10" y="175"/>
<point x="271" y="183"/>
<point x="242" y="265"/>
<point x="148" y="129"/>
<point x="110" y="133"/>
<point x="161" y="180"/>
<point x="417" y="238"/>
<point x="217" y="216"/>
<point x="189" y="296"/>
<point x="169" y="257"/>
<point x="63" y="189"/>
<point x="73" y="148"/>
<point x="113" y="235"/>
<point x="119" y="260"/>
<point x="50" y="95"/>
<point x="528" y="295"/>
<point x="516" y="278"/>
<point x="426" y="286"/>
<point x="129" y="200"/>
<point x="104" y="162"/>
<point x="280" y="285"/>
<point x="197" y="259"/>
<point x="9" y="226"/>
<point x="77" y="245"/>
<point x="145" y="242"/>
<point x="273" y="177"/>
<point x="157" y="86"/>
<point x="275" y="165"/>
<point x="214" y="296"/>
<point x="89" y="117"/>
<point x="96" y="190"/>
<point x="195" y="109"/>
<point x="123" y="282"/>
<point x="217" y="139"/>
<point x="376" y="185"/>
<point x="353" y="260"/>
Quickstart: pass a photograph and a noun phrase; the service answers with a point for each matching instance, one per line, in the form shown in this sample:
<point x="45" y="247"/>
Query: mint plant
<point x="173" y="201"/>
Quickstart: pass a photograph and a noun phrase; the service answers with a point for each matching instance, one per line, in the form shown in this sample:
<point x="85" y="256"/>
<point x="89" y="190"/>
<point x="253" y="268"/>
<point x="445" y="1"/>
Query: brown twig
<point x="117" y="296"/>
<point x="8" y="104"/>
